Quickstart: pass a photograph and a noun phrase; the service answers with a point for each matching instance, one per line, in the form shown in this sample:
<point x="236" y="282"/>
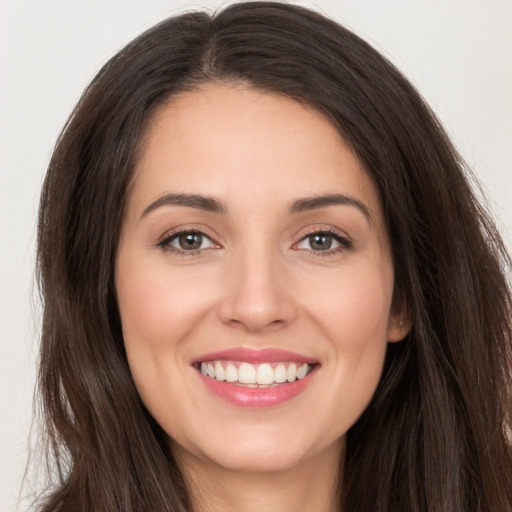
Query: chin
<point x="257" y="449"/>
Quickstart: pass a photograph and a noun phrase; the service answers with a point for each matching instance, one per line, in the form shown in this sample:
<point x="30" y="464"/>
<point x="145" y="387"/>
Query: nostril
<point x="256" y="303"/>
<point x="255" y="326"/>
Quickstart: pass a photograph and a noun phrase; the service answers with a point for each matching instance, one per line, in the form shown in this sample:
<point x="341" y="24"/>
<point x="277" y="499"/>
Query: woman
<point x="267" y="283"/>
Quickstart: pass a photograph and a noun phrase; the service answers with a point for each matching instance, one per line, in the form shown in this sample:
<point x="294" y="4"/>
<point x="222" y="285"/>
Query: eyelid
<point x="164" y="241"/>
<point x="340" y="236"/>
<point x="345" y="242"/>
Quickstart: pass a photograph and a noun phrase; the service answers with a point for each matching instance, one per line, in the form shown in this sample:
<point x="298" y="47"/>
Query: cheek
<point x="354" y="308"/>
<point x="159" y="311"/>
<point x="156" y="306"/>
<point x="353" y="313"/>
<point x="162" y="308"/>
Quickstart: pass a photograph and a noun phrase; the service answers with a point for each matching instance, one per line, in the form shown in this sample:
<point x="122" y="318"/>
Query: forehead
<point x="234" y="142"/>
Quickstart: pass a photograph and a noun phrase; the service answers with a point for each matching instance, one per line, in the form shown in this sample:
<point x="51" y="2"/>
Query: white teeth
<point x="246" y="374"/>
<point x="291" y="373"/>
<point x="220" y="374"/>
<point x="280" y="373"/>
<point x="231" y="373"/>
<point x="302" y="371"/>
<point x="263" y="374"/>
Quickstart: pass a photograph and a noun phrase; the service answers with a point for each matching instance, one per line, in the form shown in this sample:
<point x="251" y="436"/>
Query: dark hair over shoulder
<point x="436" y="436"/>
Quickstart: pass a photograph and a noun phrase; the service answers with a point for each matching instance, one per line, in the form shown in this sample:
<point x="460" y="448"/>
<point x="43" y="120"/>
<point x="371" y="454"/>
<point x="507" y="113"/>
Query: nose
<point x="257" y="296"/>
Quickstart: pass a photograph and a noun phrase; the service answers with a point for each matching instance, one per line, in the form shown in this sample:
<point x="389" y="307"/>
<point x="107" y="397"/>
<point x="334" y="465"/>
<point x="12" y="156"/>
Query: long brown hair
<point x="436" y="434"/>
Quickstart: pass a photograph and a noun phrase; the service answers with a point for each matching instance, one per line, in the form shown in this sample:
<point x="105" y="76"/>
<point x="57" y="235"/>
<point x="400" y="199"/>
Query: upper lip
<point x="255" y="356"/>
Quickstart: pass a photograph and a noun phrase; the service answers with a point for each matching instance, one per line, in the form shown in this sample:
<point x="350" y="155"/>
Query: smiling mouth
<point x="263" y="375"/>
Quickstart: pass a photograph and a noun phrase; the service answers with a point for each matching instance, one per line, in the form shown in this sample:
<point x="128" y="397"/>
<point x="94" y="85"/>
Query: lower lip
<point x="257" y="397"/>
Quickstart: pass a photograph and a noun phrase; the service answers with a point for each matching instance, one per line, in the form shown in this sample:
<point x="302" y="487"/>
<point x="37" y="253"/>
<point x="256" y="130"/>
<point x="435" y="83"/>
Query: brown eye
<point x="187" y="241"/>
<point x="324" y="241"/>
<point x="320" y="241"/>
<point x="190" y="241"/>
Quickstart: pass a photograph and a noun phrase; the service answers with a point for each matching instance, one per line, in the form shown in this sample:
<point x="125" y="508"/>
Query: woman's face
<point x="254" y="250"/>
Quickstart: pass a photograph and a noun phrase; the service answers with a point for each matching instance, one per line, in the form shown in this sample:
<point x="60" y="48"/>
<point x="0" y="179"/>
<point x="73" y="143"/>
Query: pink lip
<point x="249" y="355"/>
<point x="256" y="397"/>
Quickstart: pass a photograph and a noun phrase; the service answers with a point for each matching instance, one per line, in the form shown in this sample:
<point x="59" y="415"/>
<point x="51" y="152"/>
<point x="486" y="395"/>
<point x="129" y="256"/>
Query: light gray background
<point x="457" y="52"/>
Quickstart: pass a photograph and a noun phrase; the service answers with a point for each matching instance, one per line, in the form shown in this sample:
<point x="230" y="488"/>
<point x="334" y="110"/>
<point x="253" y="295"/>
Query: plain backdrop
<point x="458" y="53"/>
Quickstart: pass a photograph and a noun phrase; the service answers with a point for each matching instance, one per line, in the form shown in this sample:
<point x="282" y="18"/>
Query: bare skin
<point x="287" y="250"/>
<point x="311" y="486"/>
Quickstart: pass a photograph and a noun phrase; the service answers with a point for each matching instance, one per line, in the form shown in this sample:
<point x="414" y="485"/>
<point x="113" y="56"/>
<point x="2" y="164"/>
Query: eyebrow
<point x="314" y="203"/>
<point x="199" y="202"/>
<point x="213" y="205"/>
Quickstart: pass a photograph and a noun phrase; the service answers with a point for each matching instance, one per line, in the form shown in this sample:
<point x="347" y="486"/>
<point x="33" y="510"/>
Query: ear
<point x="400" y="318"/>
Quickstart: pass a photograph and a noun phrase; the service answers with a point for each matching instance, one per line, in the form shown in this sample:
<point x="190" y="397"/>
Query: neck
<point x="311" y="485"/>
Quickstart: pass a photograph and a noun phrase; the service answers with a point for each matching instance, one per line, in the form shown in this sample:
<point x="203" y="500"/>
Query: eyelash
<point x="164" y="244"/>
<point x="343" y="240"/>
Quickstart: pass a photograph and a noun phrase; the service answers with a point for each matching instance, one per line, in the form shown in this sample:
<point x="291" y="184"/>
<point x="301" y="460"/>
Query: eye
<point x="324" y="241"/>
<point x="187" y="241"/>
